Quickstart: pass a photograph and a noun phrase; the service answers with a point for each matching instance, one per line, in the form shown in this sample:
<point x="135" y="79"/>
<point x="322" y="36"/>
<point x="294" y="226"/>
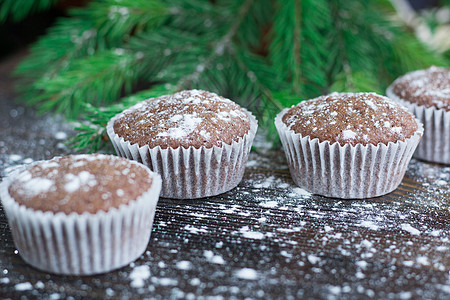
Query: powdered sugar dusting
<point x="101" y="181"/>
<point x="213" y="258"/>
<point x="341" y="248"/>
<point x="184" y="125"/>
<point x="247" y="273"/>
<point x="371" y="104"/>
<point x="138" y="276"/>
<point x="74" y="182"/>
<point x="35" y="186"/>
<point x="279" y="232"/>
<point x="184" y="118"/>
<point x="410" y="229"/>
<point x="351" y="118"/>
<point x="24" y="286"/>
<point x="348" y="134"/>
<point x="429" y="87"/>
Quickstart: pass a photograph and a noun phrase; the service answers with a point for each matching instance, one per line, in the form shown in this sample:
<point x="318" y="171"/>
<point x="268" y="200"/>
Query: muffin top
<point x="430" y="87"/>
<point x="188" y="118"/>
<point x="80" y="183"/>
<point x="351" y="118"/>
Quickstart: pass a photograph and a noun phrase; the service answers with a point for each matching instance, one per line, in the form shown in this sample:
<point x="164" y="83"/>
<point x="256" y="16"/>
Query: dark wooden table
<point x="265" y="239"/>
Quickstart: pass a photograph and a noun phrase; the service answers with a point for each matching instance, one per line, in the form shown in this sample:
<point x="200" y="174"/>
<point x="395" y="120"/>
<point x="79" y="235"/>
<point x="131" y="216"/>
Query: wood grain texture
<point x="264" y="239"/>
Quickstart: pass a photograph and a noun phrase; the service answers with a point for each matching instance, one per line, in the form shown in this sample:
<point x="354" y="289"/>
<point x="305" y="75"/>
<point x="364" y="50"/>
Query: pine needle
<point x="263" y="54"/>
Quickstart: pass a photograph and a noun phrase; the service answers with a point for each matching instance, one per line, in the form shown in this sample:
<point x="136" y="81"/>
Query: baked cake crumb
<point x="188" y="118"/>
<point x="351" y="118"/>
<point x="429" y="87"/>
<point x="80" y="183"/>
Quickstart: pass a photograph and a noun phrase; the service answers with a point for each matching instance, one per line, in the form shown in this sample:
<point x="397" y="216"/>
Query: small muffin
<point x="198" y="141"/>
<point x="81" y="214"/>
<point x="426" y="93"/>
<point x="348" y="145"/>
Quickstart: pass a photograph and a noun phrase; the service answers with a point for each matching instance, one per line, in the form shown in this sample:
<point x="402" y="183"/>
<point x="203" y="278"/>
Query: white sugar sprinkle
<point x="60" y="135"/>
<point x="301" y="192"/>
<point x="166" y="281"/>
<point x="15" y="157"/>
<point x="39" y="285"/>
<point x="4" y="280"/>
<point x="410" y="229"/>
<point x="334" y="289"/>
<point x="110" y="292"/>
<point x="371" y="104"/>
<point x="313" y="259"/>
<point x="348" y="134"/>
<point x="269" y="204"/>
<point x="369" y="224"/>
<point x="37" y="185"/>
<point x="253" y="235"/>
<point x="55" y="296"/>
<point x="194" y="230"/>
<point x="423" y="260"/>
<point x="328" y="228"/>
<point x="138" y="275"/>
<point x="185" y="126"/>
<point x="215" y="259"/>
<point x="405" y="295"/>
<point x="247" y="273"/>
<point x="24" y="286"/>
<point x="75" y="182"/>
<point x="362" y="264"/>
<point x="396" y="129"/>
<point x="184" y="265"/>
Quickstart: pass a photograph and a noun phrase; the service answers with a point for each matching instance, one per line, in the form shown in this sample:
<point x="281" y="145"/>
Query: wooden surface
<point x="265" y="239"/>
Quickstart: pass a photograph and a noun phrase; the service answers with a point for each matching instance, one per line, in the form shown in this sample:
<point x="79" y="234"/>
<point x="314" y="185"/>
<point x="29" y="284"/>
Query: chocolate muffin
<point x="426" y="93"/>
<point x="348" y="145"/>
<point x="81" y="214"/>
<point x="198" y="141"/>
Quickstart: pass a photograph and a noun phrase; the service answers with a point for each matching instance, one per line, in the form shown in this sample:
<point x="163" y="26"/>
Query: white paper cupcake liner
<point x="348" y="172"/>
<point x="189" y="173"/>
<point x="81" y="244"/>
<point x="435" y="144"/>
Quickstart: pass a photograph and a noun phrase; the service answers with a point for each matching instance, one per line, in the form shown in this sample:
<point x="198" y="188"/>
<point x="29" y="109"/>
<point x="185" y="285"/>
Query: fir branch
<point x="96" y="80"/>
<point x="259" y="83"/>
<point x="103" y="51"/>
<point x="297" y="48"/>
<point x="285" y="47"/>
<point x="368" y="44"/>
<point x="190" y="62"/>
<point x="117" y="20"/>
<point x="300" y="45"/>
<point x="200" y="17"/>
<point x="82" y="35"/>
<point x="17" y="10"/>
<point x="69" y="38"/>
<point x="252" y="33"/>
<point x="191" y="67"/>
<point x="92" y="135"/>
<point x="356" y="82"/>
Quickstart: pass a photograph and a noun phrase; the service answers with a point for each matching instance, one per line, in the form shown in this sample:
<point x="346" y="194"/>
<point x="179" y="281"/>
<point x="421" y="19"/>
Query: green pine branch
<point x="17" y="10"/>
<point x="117" y="20"/>
<point x="286" y="45"/>
<point x="97" y="80"/>
<point x="87" y="40"/>
<point x="92" y="136"/>
<point x="263" y="54"/>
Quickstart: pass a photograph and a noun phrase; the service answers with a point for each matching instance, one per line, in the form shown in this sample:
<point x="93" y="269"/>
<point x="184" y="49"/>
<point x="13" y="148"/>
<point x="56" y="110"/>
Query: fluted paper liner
<point x="81" y="244"/>
<point x="348" y="172"/>
<point x="435" y="144"/>
<point x="189" y="173"/>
